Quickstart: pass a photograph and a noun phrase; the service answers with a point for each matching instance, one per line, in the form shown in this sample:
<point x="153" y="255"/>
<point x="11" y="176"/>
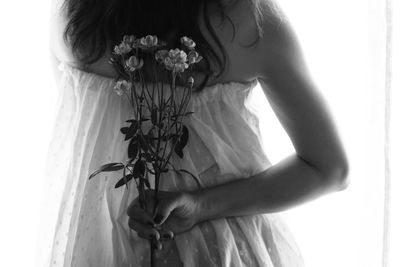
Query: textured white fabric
<point x="91" y="226"/>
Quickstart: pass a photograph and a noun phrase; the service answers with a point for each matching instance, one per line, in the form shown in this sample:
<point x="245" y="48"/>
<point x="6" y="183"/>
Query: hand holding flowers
<point x="177" y="212"/>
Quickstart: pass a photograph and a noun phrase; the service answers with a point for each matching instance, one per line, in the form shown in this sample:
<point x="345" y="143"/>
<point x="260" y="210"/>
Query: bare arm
<point x="319" y="165"/>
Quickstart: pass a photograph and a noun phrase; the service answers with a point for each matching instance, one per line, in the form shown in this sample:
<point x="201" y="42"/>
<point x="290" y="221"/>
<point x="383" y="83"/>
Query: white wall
<point x="394" y="237"/>
<point x="27" y="101"/>
<point x="344" y="44"/>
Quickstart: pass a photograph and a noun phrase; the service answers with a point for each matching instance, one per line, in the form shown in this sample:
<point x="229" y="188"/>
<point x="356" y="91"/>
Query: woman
<point x="231" y="220"/>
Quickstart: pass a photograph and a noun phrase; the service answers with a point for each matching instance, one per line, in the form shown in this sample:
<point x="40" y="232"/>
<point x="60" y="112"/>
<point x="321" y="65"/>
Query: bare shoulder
<point x="236" y="31"/>
<point x="239" y="31"/>
<point x="58" y="21"/>
<point x="61" y="50"/>
<point x="279" y="47"/>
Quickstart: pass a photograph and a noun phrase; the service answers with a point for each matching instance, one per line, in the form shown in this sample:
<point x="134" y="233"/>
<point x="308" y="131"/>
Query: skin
<point x="319" y="165"/>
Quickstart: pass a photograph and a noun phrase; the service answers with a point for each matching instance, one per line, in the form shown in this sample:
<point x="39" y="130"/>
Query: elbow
<point x="338" y="176"/>
<point x="334" y="174"/>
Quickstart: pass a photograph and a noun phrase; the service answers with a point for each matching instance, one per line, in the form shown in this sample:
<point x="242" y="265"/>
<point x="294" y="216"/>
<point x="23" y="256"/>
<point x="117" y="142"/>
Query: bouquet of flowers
<point x="157" y="130"/>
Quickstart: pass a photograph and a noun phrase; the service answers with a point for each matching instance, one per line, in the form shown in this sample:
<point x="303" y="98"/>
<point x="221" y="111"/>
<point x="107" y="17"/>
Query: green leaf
<point x="138" y="170"/>
<point x="179" y="151"/>
<point x="133" y="149"/>
<point x="183" y="139"/>
<point x="124" y="180"/>
<point x="131" y="131"/>
<point x="143" y="143"/>
<point x="124" y="130"/>
<point x="146" y="182"/>
<point x="185" y="136"/>
<point x="115" y="166"/>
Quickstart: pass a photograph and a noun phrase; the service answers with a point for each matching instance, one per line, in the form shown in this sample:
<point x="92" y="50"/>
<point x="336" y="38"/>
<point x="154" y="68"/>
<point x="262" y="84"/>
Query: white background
<point x="344" y="44"/>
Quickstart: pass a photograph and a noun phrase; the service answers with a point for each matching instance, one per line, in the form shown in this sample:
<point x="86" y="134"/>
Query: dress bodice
<point x="223" y="123"/>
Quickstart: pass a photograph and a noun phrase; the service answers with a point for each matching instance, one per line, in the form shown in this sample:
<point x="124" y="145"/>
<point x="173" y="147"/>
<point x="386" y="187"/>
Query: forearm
<point x="288" y="183"/>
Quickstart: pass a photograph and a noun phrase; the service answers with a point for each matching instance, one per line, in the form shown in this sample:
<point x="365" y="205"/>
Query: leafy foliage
<point x="109" y="167"/>
<point x="157" y="130"/>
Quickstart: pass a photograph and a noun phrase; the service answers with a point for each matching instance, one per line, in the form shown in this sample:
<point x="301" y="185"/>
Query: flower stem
<point x="152" y="242"/>
<point x="152" y="254"/>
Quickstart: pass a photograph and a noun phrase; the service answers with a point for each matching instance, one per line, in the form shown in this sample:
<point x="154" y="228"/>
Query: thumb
<point x="163" y="210"/>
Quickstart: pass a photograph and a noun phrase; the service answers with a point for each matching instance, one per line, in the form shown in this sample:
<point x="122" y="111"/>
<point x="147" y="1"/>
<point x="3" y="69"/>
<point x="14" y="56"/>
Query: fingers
<point x="148" y="232"/>
<point x="144" y="230"/>
<point x="148" y="226"/>
<point x="137" y="213"/>
<point x="167" y="234"/>
<point x="158" y="245"/>
<point x="163" y="210"/>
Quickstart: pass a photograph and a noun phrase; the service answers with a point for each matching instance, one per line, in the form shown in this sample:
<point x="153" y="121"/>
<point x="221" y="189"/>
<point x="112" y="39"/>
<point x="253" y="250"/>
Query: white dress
<point x="91" y="229"/>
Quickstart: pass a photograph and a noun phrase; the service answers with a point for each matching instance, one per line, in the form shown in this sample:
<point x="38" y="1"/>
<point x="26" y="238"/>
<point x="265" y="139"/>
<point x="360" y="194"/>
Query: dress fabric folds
<point x="90" y="223"/>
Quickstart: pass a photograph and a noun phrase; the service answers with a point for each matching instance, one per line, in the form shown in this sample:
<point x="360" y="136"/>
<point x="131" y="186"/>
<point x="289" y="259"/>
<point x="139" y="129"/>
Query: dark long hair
<point x="94" y="25"/>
